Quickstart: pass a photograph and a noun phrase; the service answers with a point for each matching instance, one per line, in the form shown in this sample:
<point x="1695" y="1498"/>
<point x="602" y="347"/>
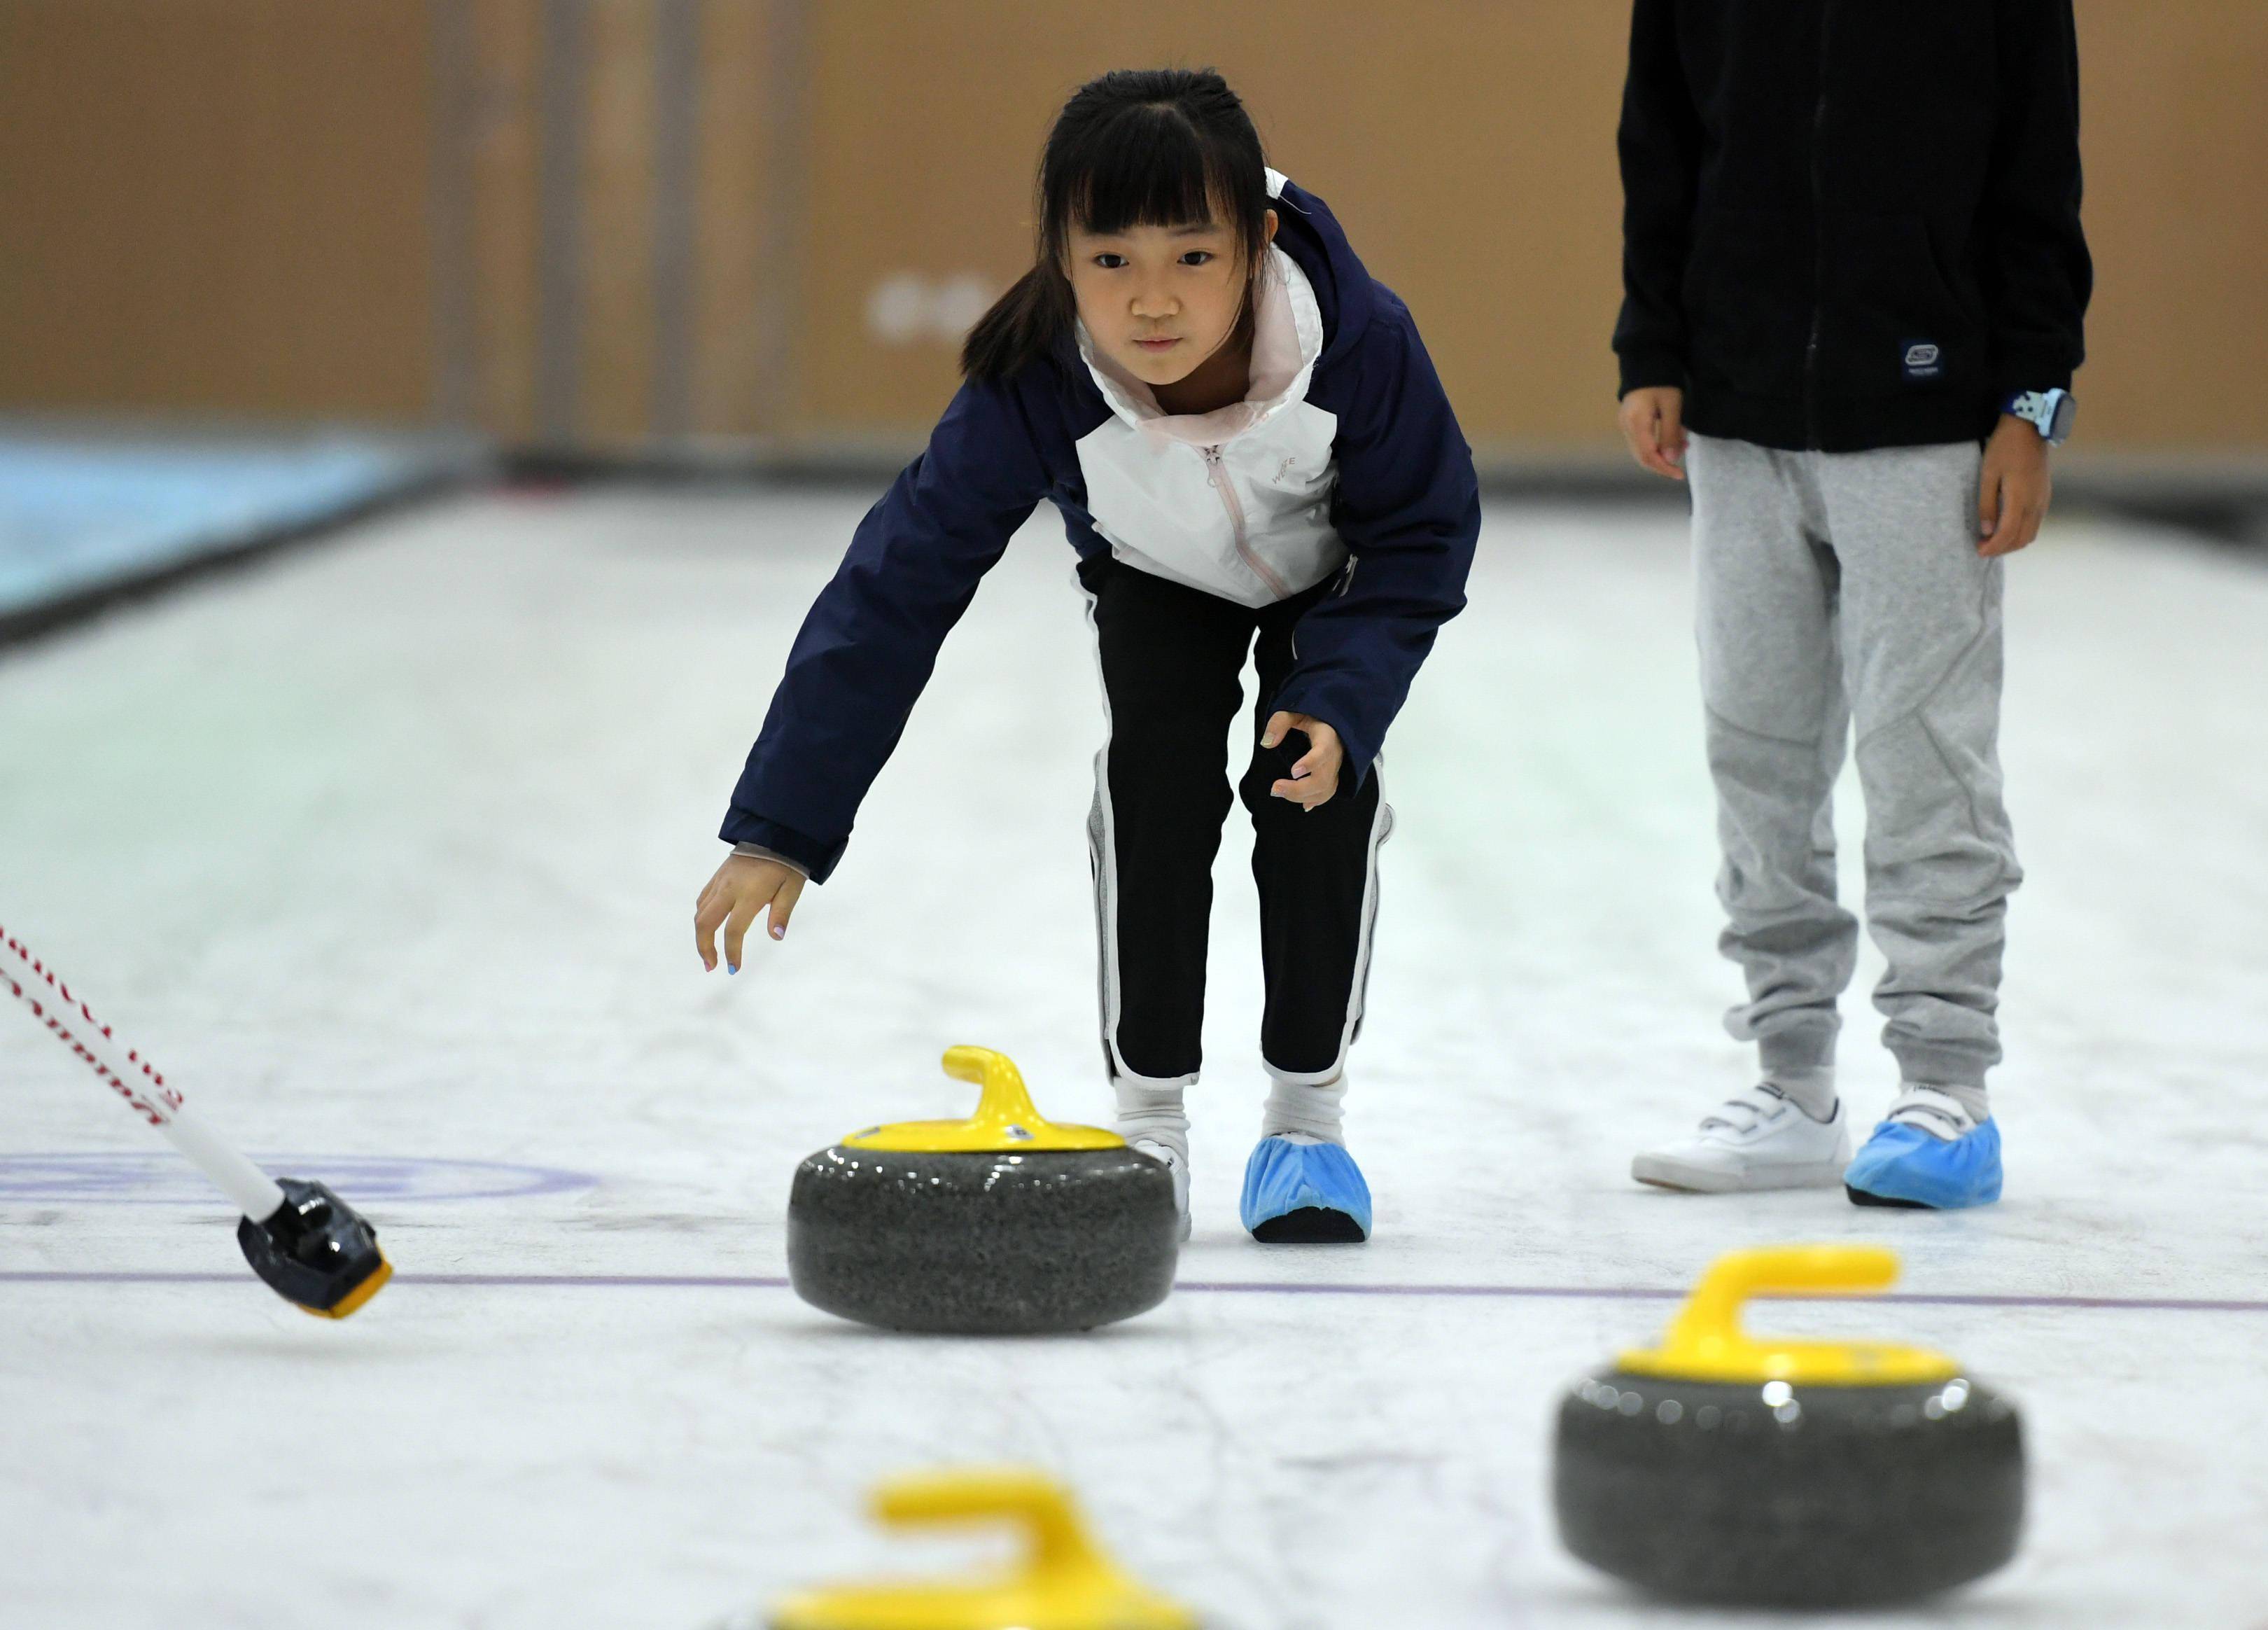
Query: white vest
<point x="1234" y="502"/>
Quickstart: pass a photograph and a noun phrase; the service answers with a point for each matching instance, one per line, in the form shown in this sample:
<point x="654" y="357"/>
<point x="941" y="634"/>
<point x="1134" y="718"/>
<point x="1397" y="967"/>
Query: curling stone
<point x="1726" y="1468"/>
<point x="1064" y="1582"/>
<point x="1003" y="1224"/>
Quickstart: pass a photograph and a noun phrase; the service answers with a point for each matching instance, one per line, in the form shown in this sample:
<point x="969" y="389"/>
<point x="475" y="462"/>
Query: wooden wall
<point x="758" y="226"/>
<point x="2174" y="130"/>
<point x="215" y="205"/>
<point x="1467" y="148"/>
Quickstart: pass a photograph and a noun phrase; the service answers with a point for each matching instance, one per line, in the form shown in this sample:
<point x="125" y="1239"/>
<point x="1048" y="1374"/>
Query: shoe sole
<point x="1859" y="1196"/>
<point x="1662" y="1173"/>
<point x="1310" y="1225"/>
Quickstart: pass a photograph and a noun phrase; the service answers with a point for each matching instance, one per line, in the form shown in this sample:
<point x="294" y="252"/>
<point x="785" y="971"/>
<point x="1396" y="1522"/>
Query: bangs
<point x="1149" y="164"/>
<point x="1146" y="169"/>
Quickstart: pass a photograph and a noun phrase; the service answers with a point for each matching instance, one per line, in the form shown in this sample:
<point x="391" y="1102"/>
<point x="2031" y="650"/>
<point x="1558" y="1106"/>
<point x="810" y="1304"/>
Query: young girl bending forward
<point x="1252" y="455"/>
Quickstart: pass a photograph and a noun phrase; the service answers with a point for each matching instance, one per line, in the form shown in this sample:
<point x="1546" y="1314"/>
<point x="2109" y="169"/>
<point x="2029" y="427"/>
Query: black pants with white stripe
<point x="1172" y="661"/>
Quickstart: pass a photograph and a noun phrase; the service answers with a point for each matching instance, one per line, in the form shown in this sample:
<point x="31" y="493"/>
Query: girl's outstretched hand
<point x="1316" y="776"/>
<point x="743" y="886"/>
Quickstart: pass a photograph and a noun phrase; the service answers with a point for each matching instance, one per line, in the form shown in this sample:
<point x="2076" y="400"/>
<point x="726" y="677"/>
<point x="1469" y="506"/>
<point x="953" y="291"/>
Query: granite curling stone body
<point x="1724" y="1468"/>
<point x="1064" y="1581"/>
<point x="1003" y="1224"/>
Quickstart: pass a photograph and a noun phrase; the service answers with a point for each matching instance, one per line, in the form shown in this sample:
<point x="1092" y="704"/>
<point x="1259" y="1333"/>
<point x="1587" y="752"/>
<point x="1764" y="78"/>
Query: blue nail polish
<point x="732" y="967"/>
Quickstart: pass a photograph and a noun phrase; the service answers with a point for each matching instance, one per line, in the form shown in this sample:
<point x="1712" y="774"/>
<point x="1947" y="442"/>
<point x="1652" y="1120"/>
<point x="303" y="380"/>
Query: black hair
<point x="1138" y="147"/>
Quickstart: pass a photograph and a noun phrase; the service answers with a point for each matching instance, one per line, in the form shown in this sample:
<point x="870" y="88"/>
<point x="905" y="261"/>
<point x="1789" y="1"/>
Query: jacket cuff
<point x="1643" y="370"/>
<point x="1316" y="704"/>
<point x="2015" y="373"/>
<point x="812" y="857"/>
<point x="757" y="851"/>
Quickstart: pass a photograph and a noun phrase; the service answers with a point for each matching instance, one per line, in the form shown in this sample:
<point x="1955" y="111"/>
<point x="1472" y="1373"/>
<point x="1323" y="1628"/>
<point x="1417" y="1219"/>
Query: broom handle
<point x="125" y="1073"/>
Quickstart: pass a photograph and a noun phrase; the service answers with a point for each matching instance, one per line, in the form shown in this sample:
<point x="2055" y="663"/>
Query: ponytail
<point x="1025" y="323"/>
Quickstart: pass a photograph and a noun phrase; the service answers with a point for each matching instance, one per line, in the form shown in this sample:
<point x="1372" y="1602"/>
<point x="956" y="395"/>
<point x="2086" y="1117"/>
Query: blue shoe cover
<point x="1304" y="1194"/>
<point x="1904" y="1165"/>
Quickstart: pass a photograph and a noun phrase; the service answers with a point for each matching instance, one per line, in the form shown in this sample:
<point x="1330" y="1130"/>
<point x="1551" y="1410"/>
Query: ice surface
<point x="387" y="852"/>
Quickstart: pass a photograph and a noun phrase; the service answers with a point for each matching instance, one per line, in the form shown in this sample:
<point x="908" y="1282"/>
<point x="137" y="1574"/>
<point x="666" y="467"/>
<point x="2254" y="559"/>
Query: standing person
<point x="1253" y="458"/>
<point x="1854" y="281"/>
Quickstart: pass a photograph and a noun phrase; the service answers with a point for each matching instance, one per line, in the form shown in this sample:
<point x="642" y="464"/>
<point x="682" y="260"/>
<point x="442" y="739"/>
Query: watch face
<point x="2059" y="420"/>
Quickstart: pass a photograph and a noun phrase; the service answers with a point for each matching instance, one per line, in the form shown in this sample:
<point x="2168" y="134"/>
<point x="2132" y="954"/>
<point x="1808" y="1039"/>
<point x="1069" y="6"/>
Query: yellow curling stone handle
<point x="1005" y="1119"/>
<point x="1705" y="1342"/>
<point x="1064" y="1581"/>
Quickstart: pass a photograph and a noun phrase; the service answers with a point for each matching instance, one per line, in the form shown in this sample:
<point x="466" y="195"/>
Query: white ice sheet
<point x="389" y="851"/>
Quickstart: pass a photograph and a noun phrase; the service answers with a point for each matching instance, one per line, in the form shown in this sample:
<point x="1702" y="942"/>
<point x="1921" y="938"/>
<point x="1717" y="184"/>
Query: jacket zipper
<point x="1818" y="236"/>
<point x="1217" y="478"/>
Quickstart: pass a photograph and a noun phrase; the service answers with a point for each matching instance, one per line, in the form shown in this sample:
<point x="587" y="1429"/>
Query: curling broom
<point x="310" y="1247"/>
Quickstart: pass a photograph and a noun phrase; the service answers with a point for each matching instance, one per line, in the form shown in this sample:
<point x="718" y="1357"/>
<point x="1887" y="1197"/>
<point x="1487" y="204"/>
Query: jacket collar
<point x="1310" y="234"/>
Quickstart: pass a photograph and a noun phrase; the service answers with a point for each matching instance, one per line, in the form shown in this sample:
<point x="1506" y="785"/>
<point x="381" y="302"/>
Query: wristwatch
<point x="2051" y="412"/>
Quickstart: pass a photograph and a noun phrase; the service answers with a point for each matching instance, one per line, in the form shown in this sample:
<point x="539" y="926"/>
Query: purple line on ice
<point x="159" y="1177"/>
<point x="1246" y="1287"/>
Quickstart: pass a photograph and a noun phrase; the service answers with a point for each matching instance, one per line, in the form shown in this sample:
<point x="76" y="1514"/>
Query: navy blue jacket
<point x="1406" y="504"/>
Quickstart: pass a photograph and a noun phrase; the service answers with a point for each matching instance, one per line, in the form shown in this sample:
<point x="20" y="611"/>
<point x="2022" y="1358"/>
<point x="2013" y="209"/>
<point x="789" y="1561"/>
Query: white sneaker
<point x="1174" y="1161"/>
<point x="1939" y="1114"/>
<point x="1759" y="1139"/>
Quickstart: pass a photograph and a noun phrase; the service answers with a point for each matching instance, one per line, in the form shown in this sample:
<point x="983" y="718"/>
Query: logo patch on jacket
<point x="1924" y="360"/>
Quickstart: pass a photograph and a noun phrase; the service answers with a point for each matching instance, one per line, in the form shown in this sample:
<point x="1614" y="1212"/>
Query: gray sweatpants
<point x="1835" y="590"/>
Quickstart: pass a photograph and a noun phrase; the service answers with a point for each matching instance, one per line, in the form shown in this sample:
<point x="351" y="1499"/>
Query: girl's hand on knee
<point x="1316" y="776"/>
<point x="743" y="886"/>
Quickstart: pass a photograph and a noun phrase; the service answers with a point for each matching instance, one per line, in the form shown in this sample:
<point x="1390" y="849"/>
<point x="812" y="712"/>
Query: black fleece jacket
<point x="1851" y="224"/>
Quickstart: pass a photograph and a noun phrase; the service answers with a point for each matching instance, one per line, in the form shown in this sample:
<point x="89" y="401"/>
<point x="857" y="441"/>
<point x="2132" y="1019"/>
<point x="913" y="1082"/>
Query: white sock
<point x="1304" y="1109"/>
<point x="1150" y="1108"/>
<point x="1812" y="1091"/>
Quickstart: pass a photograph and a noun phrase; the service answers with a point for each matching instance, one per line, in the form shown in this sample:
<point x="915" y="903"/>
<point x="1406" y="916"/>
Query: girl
<point x="1252" y="455"/>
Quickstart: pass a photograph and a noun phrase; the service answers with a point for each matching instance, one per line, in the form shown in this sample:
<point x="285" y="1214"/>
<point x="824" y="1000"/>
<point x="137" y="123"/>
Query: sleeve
<point x="870" y="639"/>
<point x="2037" y="273"/>
<point x="1659" y="142"/>
<point x="1408" y="507"/>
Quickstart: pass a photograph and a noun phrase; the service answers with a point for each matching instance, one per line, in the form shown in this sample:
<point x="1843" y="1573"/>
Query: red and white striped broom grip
<point x="132" y="1078"/>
